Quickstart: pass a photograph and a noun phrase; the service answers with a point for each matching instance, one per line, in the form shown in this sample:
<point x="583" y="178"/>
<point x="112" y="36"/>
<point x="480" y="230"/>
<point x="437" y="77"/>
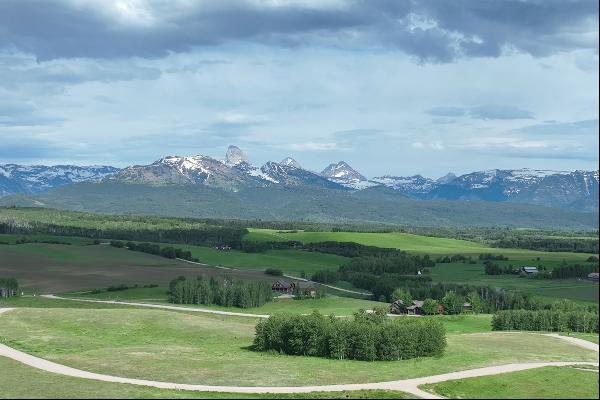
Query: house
<point x="283" y="287"/>
<point x="593" y="276"/>
<point x="529" y="270"/>
<point x="416" y="308"/>
<point x="305" y="289"/>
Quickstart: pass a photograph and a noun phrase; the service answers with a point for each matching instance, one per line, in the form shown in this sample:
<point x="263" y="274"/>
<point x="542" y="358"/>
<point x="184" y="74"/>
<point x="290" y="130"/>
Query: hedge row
<point x="367" y="338"/>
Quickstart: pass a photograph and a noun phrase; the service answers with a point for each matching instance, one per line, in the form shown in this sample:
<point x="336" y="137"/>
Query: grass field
<point x="44" y="385"/>
<point x="543" y="383"/>
<point x="208" y="349"/>
<point x="292" y="262"/>
<point x="83" y="266"/>
<point x="474" y="274"/>
<point x="410" y="243"/>
<point x="52" y="268"/>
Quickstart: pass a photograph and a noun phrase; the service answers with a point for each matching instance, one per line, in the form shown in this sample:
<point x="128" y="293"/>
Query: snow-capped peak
<point x="342" y="171"/>
<point x="290" y="162"/>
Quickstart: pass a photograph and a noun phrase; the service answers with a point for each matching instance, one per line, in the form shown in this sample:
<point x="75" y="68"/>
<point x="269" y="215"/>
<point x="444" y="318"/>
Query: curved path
<point x="159" y="306"/>
<point x="405" y="385"/>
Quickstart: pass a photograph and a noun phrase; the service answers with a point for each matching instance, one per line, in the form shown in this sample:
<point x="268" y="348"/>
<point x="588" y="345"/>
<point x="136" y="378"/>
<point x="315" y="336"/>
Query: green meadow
<point x="543" y="383"/>
<point x="210" y="349"/>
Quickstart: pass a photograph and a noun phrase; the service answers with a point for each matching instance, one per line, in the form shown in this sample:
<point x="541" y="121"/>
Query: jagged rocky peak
<point x="290" y="162"/>
<point x="449" y="177"/>
<point x="235" y="156"/>
<point x="342" y="171"/>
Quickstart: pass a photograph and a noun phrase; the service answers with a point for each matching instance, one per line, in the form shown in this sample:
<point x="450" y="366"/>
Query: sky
<point x="391" y="87"/>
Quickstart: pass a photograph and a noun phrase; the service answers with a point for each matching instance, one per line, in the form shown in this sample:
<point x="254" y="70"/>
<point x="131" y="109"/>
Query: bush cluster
<point x="368" y="337"/>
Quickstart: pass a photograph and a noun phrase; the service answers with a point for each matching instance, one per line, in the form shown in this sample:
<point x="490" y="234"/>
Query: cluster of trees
<point x="565" y="271"/>
<point x="565" y="244"/>
<point x="274" y="272"/>
<point x="228" y="292"/>
<point x="122" y="286"/>
<point x="553" y="320"/>
<point x="350" y="249"/>
<point x="401" y="263"/>
<point x="455" y="258"/>
<point x="155" y="249"/>
<point x="325" y="276"/>
<point x="492" y="257"/>
<point x="9" y="287"/>
<point x="367" y="337"/>
<point x="492" y="268"/>
<point x="151" y="229"/>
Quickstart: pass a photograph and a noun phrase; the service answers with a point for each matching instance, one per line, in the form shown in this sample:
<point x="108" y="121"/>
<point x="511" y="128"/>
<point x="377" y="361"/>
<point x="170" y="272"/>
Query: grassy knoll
<point x="213" y="350"/>
<point x="544" y="383"/>
<point x="44" y="385"/>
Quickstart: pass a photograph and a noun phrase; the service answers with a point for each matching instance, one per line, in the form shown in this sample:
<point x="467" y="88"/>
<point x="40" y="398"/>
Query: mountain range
<point x="236" y="182"/>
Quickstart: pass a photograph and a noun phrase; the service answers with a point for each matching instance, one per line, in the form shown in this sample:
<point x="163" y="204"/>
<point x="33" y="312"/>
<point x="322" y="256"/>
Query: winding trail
<point x="406" y="385"/>
<point x="159" y="306"/>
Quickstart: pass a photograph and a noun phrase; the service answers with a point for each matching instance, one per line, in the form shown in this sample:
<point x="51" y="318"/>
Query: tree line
<point x="553" y="320"/>
<point x="9" y="287"/>
<point x="227" y="292"/>
<point x="367" y="337"/>
<point x="155" y="249"/>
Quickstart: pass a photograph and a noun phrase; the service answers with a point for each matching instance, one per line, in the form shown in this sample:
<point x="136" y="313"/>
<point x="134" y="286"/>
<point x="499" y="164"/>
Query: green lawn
<point x="44" y="385"/>
<point x="543" y="383"/>
<point x="208" y="349"/>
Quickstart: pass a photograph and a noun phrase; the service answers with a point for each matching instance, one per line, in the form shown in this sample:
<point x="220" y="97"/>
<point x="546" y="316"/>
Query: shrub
<point x="274" y="271"/>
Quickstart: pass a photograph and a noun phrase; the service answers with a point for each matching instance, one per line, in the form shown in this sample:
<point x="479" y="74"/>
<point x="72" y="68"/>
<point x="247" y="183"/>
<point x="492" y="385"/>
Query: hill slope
<point x="378" y="204"/>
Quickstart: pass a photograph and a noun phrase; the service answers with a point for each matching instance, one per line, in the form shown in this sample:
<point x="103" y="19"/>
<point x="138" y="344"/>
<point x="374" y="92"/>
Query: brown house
<point x="283" y="287"/>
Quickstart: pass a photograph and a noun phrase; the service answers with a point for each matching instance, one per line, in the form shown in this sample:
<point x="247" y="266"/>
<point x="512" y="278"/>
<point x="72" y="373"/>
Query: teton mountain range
<point x="571" y="189"/>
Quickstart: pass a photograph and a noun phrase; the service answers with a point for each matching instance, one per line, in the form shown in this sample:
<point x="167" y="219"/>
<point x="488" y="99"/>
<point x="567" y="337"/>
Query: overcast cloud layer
<point x="392" y="87"/>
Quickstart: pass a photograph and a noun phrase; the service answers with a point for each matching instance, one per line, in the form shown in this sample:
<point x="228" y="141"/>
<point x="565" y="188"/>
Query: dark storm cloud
<point x="436" y="31"/>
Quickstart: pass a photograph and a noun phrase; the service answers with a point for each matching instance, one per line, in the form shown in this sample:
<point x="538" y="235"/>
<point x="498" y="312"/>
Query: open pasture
<point x="45" y="385"/>
<point x="543" y="383"/>
<point x="433" y="246"/>
<point x="51" y="268"/>
<point x="209" y="349"/>
<point x="474" y="274"/>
